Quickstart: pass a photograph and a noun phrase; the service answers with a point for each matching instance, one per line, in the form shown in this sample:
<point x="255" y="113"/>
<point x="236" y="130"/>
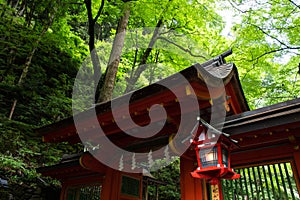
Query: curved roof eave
<point x="202" y="74"/>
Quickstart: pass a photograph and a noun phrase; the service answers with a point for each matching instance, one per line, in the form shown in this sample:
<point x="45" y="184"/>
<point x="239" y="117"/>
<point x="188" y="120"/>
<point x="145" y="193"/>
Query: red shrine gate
<point x="269" y="152"/>
<point x="264" y="135"/>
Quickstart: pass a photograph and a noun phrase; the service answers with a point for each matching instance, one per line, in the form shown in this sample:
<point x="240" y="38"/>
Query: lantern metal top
<point x="212" y="134"/>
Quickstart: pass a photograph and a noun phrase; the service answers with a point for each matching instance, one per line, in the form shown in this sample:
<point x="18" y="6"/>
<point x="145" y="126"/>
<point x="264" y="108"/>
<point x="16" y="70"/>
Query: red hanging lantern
<point x="212" y="149"/>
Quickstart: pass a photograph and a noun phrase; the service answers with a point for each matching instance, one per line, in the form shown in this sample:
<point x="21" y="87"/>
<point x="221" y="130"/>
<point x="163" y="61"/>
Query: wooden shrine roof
<point x="70" y="167"/>
<point x="265" y="134"/>
<point x="198" y="76"/>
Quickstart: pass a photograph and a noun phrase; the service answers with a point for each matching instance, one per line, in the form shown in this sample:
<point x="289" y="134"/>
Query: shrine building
<point x="261" y="153"/>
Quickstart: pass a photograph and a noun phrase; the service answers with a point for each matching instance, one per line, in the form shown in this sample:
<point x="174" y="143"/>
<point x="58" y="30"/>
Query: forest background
<point x="44" y="43"/>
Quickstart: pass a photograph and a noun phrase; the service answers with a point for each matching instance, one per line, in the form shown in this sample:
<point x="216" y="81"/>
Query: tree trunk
<point x="91" y="31"/>
<point x="28" y="61"/>
<point x="24" y="74"/>
<point x="114" y="60"/>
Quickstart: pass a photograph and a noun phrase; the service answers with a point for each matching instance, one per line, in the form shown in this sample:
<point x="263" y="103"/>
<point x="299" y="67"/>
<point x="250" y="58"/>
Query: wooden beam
<point x="265" y="137"/>
<point x="234" y="100"/>
<point x="263" y="154"/>
<point x="138" y="112"/>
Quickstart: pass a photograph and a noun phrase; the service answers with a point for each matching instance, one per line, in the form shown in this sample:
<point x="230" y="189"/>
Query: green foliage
<point x="266" y="50"/>
<point x="45" y="95"/>
<point x="169" y="175"/>
<point x="22" y="151"/>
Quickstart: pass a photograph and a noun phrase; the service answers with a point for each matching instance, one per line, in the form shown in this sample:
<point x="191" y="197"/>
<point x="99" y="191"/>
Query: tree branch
<point x="142" y="66"/>
<point x="271" y="36"/>
<point x="294" y="3"/>
<point x="262" y="55"/>
<point x="99" y="11"/>
<point x="274" y="51"/>
<point x="236" y="7"/>
<point x="286" y="47"/>
<point x="182" y="48"/>
<point x="75" y="3"/>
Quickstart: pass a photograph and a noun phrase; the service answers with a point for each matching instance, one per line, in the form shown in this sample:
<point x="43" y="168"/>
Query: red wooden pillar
<point x="63" y="192"/>
<point x="191" y="188"/>
<point x="297" y="168"/>
<point x="111" y="185"/>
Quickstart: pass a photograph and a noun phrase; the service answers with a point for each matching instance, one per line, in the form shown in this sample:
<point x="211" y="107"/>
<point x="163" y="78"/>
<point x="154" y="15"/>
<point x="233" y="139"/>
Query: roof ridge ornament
<point x="218" y="60"/>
